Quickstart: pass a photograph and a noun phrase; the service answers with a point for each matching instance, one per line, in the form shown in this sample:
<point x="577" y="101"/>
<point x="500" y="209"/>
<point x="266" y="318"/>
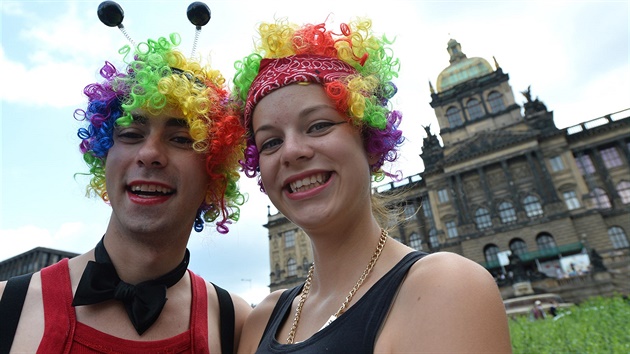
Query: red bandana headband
<point x="276" y="73"/>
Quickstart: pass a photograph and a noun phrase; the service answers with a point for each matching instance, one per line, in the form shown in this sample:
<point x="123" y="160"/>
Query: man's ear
<point x="373" y="158"/>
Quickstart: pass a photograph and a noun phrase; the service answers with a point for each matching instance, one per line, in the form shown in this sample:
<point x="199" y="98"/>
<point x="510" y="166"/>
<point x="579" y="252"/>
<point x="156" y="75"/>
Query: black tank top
<point x="355" y="330"/>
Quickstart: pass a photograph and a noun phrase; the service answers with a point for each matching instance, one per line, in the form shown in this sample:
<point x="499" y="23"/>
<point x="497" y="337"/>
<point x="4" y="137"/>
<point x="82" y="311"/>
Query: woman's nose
<point x="295" y="148"/>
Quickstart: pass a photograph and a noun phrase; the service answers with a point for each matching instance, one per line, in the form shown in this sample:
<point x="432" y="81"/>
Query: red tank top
<point x="63" y="334"/>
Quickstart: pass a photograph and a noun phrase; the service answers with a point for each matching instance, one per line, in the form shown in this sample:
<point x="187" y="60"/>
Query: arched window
<point x="491" y="252"/>
<point x="291" y="267"/>
<point x="518" y="247"/>
<point x="623" y="188"/>
<point x="482" y="218"/>
<point x="495" y="100"/>
<point x="545" y="241"/>
<point x="475" y="111"/>
<point x="433" y="238"/>
<point x="618" y="237"/>
<point x="532" y="206"/>
<point x="600" y="199"/>
<point x="454" y="117"/>
<point x="415" y="242"/>
<point x="507" y="213"/>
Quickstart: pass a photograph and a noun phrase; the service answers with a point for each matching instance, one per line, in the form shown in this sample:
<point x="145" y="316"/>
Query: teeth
<point x="308" y="182"/>
<point x="150" y="188"/>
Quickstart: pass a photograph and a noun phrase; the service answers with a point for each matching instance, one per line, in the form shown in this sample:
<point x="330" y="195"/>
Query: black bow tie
<point x="144" y="301"/>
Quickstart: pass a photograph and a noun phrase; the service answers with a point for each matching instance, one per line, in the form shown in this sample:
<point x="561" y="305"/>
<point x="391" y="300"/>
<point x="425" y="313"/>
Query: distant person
<point x="553" y="309"/>
<point x="162" y="146"/>
<point x="537" y="312"/>
<point x="318" y="110"/>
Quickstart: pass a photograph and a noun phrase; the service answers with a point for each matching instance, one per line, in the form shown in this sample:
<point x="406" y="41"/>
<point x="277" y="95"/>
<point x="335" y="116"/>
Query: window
<point x="611" y="157"/>
<point x="491" y="253"/>
<point x="474" y="109"/>
<point x="433" y="239"/>
<point x="532" y="206"/>
<point x="415" y="242"/>
<point x="623" y="188"/>
<point x="451" y="229"/>
<point x="289" y="239"/>
<point x="426" y="208"/>
<point x="556" y="164"/>
<point x="545" y="242"/>
<point x="507" y="213"/>
<point x="600" y="199"/>
<point x="571" y="200"/>
<point x="291" y="267"/>
<point x="585" y="164"/>
<point x="518" y="247"/>
<point x="495" y="100"/>
<point x="482" y="218"/>
<point x="454" y="117"/>
<point x="618" y="237"/>
<point x="410" y="210"/>
<point x="443" y="195"/>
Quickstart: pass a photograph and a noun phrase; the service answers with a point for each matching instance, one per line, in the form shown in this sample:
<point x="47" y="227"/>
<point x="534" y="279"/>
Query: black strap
<point x="226" y="315"/>
<point x="11" y="308"/>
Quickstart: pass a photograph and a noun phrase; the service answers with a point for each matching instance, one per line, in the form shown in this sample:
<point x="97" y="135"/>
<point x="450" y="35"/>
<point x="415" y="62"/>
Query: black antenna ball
<point x="198" y="13"/>
<point x="110" y="13"/>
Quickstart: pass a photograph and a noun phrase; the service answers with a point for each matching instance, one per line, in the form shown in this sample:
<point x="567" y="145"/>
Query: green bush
<point x="597" y="325"/>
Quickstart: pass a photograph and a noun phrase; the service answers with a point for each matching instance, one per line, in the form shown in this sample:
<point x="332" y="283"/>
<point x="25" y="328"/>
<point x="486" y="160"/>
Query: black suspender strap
<point x="226" y="308"/>
<point x="11" y="308"/>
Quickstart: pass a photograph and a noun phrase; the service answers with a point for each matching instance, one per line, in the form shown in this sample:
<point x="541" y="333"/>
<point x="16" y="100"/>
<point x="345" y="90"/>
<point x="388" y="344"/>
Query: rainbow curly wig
<point x="157" y="78"/>
<point x="358" y="79"/>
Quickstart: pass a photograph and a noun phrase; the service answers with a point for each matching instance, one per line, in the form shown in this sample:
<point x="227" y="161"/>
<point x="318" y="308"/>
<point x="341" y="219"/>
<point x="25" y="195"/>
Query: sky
<point x="574" y="54"/>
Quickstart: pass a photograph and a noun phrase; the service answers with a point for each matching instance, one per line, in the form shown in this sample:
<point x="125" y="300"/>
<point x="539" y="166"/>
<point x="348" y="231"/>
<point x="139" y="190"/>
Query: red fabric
<point x="276" y="73"/>
<point x="63" y="334"/>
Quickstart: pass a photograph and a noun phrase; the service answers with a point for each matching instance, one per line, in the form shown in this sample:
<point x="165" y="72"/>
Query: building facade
<point x="501" y="181"/>
<point x="31" y="261"/>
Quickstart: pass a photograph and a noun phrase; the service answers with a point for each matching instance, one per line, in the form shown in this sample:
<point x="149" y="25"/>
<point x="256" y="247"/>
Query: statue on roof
<point x="532" y="105"/>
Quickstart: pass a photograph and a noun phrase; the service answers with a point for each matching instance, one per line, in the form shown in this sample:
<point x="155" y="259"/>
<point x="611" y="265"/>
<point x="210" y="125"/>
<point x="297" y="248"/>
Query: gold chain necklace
<point x="309" y="280"/>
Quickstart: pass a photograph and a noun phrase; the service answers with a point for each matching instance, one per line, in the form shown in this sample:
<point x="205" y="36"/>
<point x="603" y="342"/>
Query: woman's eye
<point x="319" y="127"/>
<point x="270" y="144"/>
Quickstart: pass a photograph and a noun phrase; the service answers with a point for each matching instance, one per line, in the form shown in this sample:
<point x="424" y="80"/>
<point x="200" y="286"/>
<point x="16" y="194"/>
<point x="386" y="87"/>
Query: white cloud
<point x="70" y="236"/>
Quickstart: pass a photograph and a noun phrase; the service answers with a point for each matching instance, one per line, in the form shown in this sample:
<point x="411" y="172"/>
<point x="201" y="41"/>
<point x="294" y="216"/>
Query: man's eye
<point x="129" y="135"/>
<point x="183" y="140"/>
<point x="270" y="144"/>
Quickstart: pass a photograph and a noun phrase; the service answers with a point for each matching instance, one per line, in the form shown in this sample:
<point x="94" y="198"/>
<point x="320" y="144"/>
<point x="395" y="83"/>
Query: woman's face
<point x="312" y="161"/>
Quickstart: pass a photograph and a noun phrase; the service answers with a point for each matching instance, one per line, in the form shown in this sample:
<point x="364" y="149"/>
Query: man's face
<point x="155" y="180"/>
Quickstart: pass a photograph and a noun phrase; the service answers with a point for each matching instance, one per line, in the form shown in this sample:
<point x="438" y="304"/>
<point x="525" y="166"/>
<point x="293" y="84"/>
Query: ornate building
<point x="503" y="182"/>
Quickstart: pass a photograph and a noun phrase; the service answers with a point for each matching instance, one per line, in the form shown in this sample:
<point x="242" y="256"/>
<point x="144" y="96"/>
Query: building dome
<point x="462" y="68"/>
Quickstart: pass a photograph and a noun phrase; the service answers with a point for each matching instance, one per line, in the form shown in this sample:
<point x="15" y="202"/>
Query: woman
<point x="316" y="105"/>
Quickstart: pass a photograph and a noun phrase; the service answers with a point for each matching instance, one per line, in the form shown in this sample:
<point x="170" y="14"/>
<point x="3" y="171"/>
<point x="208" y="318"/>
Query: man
<point x="162" y="145"/>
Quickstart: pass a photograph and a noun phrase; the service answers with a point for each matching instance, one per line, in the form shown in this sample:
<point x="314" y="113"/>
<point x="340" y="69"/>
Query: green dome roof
<point x="461" y="69"/>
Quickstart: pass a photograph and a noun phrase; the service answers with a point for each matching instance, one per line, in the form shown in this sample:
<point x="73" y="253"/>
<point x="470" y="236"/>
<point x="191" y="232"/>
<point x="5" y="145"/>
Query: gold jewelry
<point x="344" y="305"/>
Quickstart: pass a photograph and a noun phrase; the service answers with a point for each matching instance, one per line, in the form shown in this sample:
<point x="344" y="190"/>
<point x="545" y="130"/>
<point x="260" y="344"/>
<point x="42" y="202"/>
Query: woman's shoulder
<point x="446" y="295"/>
<point x="257" y="321"/>
<point x="448" y="267"/>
